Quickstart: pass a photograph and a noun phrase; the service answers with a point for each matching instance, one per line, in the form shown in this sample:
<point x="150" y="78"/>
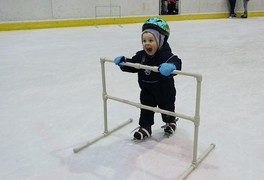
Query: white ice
<point x="51" y="102"/>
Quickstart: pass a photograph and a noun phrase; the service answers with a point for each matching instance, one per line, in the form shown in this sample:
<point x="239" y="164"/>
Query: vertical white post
<point x="197" y="118"/>
<point x="104" y="94"/>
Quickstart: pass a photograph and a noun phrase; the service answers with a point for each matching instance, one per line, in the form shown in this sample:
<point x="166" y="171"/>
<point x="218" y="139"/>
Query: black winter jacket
<point x="163" y="55"/>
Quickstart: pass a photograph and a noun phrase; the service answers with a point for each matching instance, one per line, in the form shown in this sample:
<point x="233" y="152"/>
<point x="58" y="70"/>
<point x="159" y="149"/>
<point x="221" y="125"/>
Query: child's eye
<point x="145" y="41"/>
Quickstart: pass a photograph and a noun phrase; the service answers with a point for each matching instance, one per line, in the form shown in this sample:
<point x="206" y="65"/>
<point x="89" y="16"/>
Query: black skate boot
<point x="232" y="15"/>
<point x="143" y="132"/>
<point x="169" y="128"/>
<point x="244" y="16"/>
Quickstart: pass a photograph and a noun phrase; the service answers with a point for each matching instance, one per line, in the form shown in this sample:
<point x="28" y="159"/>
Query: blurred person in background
<point x="232" y="4"/>
<point x="245" y="3"/>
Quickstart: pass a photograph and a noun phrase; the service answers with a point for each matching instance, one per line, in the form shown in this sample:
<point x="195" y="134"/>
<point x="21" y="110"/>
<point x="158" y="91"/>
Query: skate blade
<point x="136" y="141"/>
<point x="139" y="140"/>
<point x="168" y="135"/>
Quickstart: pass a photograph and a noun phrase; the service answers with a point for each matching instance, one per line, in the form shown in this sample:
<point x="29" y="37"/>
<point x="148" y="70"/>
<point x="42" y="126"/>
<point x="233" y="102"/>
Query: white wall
<point x="216" y="6"/>
<point x="29" y="10"/>
<point x="18" y="10"/>
<point x="203" y="6"/>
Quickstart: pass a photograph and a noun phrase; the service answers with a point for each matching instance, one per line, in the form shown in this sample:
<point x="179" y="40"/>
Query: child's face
<point x="149" y="43"/>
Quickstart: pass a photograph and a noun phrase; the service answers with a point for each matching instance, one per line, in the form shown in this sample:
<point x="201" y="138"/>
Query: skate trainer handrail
<point x="195" y="119"/>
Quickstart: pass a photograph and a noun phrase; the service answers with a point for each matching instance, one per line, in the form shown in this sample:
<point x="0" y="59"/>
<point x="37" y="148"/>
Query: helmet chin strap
<point x="161" y="41"/>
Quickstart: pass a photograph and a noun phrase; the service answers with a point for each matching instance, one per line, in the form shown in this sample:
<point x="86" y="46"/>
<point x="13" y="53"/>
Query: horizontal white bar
<point x="155" y="68"/>
<point x="155" y="109"/>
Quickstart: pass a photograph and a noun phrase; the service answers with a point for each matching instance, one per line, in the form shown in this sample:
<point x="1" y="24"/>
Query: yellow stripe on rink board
<point x="21" y="25"/>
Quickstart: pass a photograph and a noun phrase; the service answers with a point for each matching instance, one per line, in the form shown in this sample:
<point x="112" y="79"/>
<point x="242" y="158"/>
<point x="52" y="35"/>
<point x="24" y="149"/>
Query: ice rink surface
<point x="51" y="102"/>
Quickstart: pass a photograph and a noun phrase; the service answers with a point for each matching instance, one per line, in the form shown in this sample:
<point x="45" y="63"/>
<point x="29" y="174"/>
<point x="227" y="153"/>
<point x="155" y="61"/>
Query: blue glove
<point x="166" y="69"/>
<point x="119" y="59"/>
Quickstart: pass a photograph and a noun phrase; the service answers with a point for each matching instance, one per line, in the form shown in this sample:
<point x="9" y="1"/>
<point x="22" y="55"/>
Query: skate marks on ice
<point x="117" y="157"/>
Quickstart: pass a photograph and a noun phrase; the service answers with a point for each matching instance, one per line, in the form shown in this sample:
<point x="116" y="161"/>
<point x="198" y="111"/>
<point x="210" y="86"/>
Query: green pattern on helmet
<point x="159" y="24"/>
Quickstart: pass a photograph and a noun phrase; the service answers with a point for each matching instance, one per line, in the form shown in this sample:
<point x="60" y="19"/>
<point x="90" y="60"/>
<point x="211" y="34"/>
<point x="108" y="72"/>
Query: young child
<point x="157" y="88"/>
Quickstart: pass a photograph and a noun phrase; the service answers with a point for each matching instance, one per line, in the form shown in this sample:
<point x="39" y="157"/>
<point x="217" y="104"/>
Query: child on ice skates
<point x="157" y="88"/>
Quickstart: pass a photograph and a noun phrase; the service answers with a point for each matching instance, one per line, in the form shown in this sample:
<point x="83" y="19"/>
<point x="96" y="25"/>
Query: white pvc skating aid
<point x="195" y="119"/>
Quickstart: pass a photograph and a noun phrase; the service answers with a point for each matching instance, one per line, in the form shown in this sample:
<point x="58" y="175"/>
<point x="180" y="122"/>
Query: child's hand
<point x="166" y="69"/>
<point x="119" y="59"/>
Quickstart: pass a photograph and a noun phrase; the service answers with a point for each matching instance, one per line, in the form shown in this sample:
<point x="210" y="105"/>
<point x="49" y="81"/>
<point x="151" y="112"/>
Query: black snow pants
<point x="161" y="94"/>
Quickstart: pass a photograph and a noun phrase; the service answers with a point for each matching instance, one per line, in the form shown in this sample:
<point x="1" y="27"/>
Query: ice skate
<point x="244" y="16"/>
<point x="169" y="128"/>
<point x="142" y="133"/>
<point x="232" y="15"/>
